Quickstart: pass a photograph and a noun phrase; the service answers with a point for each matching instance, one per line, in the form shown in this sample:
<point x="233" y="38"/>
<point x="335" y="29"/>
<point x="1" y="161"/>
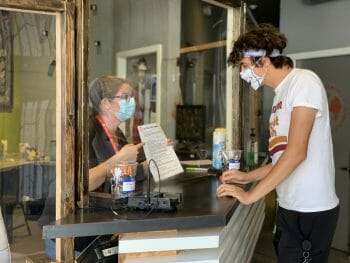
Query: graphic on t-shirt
<point x="277" y="144"/>
<point x="274" y="123"/>
<point x="272" y="126"/>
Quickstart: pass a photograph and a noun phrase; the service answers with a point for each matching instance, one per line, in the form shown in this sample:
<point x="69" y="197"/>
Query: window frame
<point x="64" y="13"/>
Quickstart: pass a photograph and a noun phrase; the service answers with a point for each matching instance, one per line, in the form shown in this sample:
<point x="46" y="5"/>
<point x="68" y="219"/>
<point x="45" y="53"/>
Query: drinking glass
<point x="122" y="178"/>
<point x="231" y="158"/>
<point x="202" y="154"/>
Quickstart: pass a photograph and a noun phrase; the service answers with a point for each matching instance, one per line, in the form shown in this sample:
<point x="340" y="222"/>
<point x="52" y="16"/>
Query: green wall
<point x="10" y="122"/>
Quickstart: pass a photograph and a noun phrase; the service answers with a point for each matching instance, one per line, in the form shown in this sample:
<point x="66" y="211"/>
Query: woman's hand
<point x="169" y="142"/>
<point x="234" y="176"/>
<point x="234" y="191"/>
<point x="129" y="152"/>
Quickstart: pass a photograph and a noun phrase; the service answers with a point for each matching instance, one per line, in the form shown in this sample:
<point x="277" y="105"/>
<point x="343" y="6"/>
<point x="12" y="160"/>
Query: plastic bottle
<point x="252" y="151"/>
<point x="234" y="160"/>
<point x="219" y="144"/>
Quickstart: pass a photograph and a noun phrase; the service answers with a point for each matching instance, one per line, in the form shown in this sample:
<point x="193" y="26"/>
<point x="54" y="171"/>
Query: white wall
<point x="315" y="27"/>
<point x="101" y="28"/>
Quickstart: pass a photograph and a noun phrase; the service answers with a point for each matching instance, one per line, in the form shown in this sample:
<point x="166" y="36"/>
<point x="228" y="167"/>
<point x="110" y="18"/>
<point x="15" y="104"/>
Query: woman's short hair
<point x="104" y="87"/>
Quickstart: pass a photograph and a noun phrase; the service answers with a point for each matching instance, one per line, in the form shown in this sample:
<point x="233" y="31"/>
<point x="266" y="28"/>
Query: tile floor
<point x="24" y="244"/>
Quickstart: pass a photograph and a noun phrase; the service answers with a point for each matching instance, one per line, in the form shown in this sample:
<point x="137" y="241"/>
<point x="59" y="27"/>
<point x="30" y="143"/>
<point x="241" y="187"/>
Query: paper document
<point x="157" y="149"/>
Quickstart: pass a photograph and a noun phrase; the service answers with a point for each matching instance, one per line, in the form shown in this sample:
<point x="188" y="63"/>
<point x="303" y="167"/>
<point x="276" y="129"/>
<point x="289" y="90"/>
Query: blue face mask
<point x="126" y="109"/>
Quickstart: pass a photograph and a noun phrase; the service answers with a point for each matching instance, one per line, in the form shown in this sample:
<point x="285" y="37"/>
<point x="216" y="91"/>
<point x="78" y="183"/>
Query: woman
<point x="113" y="103"/>
<point x="300" y="146"/>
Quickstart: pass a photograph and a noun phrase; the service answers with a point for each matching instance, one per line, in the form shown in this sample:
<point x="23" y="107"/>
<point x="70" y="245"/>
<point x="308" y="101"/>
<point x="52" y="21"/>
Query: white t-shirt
<point x="310" y="187"/>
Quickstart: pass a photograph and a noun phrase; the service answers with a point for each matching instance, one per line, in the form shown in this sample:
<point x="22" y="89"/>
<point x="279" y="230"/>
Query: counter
<point x="206" y="227"/>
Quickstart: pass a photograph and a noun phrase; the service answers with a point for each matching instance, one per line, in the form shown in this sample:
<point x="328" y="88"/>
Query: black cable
<point x="149" y="170"/>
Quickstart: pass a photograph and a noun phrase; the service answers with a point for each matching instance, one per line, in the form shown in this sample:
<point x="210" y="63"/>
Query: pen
<point x="196" y="170"/>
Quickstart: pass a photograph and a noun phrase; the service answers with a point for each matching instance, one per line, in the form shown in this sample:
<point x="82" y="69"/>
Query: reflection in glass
<point x="203" y="81"/>
<point x="28" y="129"/>
<point x="141" y="73"/>
<point x="203" y="60"/>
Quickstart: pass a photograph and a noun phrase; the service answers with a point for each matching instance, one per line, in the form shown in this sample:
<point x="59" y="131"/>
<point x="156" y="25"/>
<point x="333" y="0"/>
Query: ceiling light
<point x="253" y="6"/>
<point x="207" y="10"/>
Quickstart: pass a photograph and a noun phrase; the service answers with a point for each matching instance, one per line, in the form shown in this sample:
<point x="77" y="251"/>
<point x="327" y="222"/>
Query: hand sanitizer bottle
<point x="252" y="151"/>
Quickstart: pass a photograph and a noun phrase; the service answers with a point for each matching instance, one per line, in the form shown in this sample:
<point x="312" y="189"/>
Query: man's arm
<point x="298" y="138"/>
<point x="302" y="121"/>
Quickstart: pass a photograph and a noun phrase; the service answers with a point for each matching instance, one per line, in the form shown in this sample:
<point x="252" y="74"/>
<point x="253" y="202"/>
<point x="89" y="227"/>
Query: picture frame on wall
<point x="141" y="67"/>
<point x="6" y="62"/>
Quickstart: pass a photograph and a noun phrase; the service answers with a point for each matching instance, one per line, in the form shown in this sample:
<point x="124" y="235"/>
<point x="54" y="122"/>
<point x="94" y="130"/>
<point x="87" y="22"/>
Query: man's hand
<point x="234" y="176"/>
<point x="234" y="191"/>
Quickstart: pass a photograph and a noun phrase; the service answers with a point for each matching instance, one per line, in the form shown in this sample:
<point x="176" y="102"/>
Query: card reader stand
<point x="155" y="201"/>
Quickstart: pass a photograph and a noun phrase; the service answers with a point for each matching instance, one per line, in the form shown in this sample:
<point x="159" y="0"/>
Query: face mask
<point x="249" y="76"/>
<point x="126" y="109"/>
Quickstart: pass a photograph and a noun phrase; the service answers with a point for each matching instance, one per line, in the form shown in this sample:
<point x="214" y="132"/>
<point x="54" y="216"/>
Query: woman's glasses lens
<point x="126" y="97"/>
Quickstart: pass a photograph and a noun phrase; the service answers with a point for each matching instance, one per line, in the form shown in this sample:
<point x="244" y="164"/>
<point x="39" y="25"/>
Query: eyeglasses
<point x="254" y="63"/>
<point x="125" y="96"/>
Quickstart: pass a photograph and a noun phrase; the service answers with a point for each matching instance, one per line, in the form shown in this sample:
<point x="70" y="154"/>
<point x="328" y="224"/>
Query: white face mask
<point x="249" y="76"/>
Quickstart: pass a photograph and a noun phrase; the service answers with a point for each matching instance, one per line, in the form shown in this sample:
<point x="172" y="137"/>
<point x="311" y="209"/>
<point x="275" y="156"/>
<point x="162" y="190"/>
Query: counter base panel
<point x="232" y="243"/>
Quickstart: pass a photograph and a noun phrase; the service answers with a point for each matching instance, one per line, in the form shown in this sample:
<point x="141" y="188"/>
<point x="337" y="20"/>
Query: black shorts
<point x="295" y="227"/>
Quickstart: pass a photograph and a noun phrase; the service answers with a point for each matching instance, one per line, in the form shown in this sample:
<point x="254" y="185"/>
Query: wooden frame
<point x="205" y="46"/>
<point x="65" y="116"/>
<point x="252" y="104"/>
<point x="82" y="141"/>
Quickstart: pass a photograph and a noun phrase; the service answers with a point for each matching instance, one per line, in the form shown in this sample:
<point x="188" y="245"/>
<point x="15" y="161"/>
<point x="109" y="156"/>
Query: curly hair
<point x="264" y="37"/>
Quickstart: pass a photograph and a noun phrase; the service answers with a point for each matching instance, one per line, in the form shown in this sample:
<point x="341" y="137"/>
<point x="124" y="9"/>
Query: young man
<point x="300" y="146"/>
